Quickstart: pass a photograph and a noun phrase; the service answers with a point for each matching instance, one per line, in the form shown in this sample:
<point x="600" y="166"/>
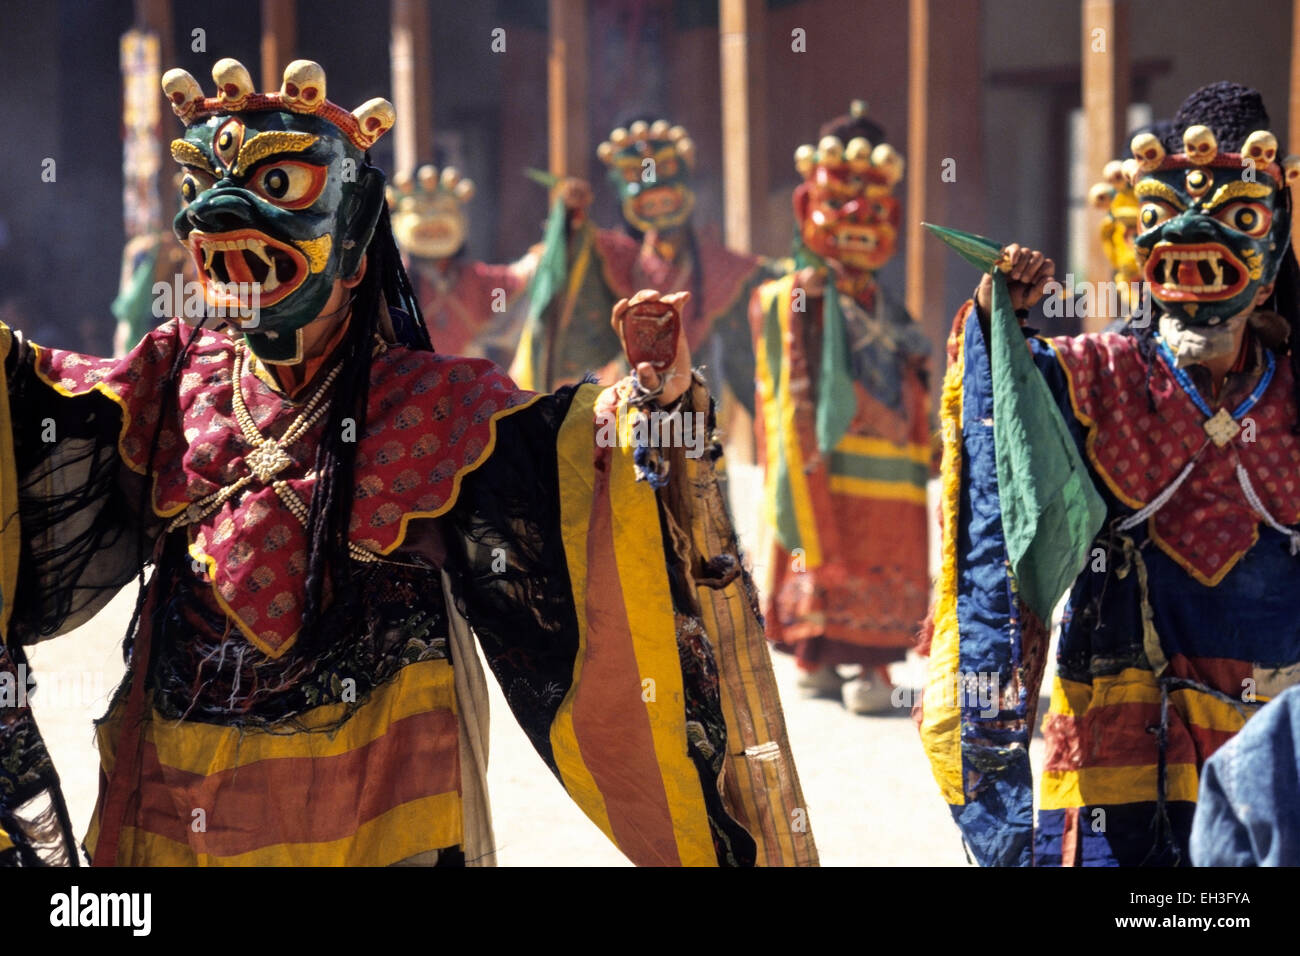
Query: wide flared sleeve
<point x="623" y="630"/>
<point x="68" y="543"/>
<point x="1017" y="508"/>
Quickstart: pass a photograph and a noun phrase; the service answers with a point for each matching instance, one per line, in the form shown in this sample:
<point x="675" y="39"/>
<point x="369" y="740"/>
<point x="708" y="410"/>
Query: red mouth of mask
<point x="232" y="264"/>
<point x="658" y="202"/>
<point x="1203" y="272"/>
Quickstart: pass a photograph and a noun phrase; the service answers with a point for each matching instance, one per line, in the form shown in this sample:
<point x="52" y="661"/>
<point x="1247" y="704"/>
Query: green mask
<point x="280" y="203"/>
<point x="1213" y="226"/>
<point x="650" y="166"/>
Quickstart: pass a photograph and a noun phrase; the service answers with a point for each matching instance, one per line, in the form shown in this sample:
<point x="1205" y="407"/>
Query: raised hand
<point x="650" y="328"/>
<point x="576" y="195"/>
<point x="1027" y="270"/>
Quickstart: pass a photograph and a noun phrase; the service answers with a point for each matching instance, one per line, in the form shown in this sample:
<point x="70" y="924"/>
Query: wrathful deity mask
<point x="650" y="165"/>
<point x="429" y="219"/>
<point x="1213" y="226"/>
<point x="845" y="206"/>
<point x="278" y="196"/>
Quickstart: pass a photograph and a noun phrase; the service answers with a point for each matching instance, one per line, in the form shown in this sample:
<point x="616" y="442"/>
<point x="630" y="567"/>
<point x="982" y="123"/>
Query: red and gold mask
<point x="845" y="206"/>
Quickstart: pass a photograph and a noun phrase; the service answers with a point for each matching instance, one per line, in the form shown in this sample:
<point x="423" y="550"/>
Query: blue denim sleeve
<point x="1249" y="808"/>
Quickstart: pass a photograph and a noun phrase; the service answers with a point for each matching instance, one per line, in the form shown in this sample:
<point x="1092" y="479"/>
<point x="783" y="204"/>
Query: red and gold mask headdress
<point x="845" y="205"/>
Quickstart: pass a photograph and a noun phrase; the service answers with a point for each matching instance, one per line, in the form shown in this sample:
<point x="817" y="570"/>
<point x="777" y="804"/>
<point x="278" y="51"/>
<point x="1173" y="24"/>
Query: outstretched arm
<point x="616" y="615"/>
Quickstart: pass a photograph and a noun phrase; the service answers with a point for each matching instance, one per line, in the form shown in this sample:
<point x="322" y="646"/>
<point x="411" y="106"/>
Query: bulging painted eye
<point x="193" y="183"/>
<point x="1153" y="213"/>
<point x="293" y="185"/>
<point x="1252" y="218"/>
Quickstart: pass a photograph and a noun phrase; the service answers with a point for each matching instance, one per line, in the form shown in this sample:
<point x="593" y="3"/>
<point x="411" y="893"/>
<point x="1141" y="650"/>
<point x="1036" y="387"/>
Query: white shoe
<point x="823" y="682"/>
<point x="867" y="695"/>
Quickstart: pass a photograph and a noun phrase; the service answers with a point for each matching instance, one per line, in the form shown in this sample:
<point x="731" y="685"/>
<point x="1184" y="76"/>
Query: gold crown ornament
<point x="853" y="167"/>
<point x="626" y="149"/>
<point x="301" y="91"/>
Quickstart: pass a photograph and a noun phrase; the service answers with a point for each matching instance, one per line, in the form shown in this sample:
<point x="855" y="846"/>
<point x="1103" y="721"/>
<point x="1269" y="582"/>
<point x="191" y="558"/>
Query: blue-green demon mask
<point x="1212" y="226"/>
<point x="650" y="166"/>
<point x="279" y="200"/>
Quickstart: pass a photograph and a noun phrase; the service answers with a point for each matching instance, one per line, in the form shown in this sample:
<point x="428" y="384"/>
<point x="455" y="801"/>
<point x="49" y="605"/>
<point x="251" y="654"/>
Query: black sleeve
<point x="506" y="555"/>
<point x="78" y="505"/>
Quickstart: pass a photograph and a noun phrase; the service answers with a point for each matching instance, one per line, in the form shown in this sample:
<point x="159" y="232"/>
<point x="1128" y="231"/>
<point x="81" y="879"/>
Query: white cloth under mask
<point x="1196" y="345"/>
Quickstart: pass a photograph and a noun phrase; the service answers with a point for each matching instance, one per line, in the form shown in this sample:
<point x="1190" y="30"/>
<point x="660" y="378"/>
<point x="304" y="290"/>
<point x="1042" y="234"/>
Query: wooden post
<point x="568" y="123"/>
<point x="945" y="178"/>
<point x="149" y="202"/>
<point x="156" y="15"/>
<point x="1105" y="83"/>
<point x="411" y="56"/>
<point x="279" y="37"/>
<point x="744" y="119"/>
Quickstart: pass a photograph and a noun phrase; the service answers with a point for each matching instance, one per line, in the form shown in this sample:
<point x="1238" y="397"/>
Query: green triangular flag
<point x="542" y="178"/>
<point x="837" y="400"/>
<point x="551" y="268"/>
<point x="981" y="252"/>
<point x="1051" y="512"/>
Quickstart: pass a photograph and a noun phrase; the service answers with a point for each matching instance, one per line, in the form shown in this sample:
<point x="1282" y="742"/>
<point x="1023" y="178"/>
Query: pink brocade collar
<point x="431" y="419"/>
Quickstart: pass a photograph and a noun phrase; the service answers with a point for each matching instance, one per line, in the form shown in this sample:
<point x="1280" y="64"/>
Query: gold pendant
<point x="267" y="460"/>
<point x="1221" y="428"/>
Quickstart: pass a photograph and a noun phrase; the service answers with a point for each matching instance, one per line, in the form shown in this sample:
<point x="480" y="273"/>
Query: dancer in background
<point x="843" y="419"/>
<point x="472" y="308"/>
<point x="659" y="247"/>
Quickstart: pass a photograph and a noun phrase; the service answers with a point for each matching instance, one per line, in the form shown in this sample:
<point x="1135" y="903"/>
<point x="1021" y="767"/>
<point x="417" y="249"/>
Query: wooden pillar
<point x="156" y="15"/>
<point x="279" y="38"/>
<point x="566" y="70"/>
<point x="744" y="117"/>
<point x="411" y="54"/>
<point x="149" y="203"/>
<point x="1105" y="83"/>
<point x="945" y="170"/>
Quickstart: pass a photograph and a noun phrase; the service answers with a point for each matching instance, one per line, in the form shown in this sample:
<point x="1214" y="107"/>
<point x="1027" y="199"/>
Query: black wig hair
<point x="1231" y="110"/>
<point x="328" y="563"/>
<point x="849" y="126"/>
